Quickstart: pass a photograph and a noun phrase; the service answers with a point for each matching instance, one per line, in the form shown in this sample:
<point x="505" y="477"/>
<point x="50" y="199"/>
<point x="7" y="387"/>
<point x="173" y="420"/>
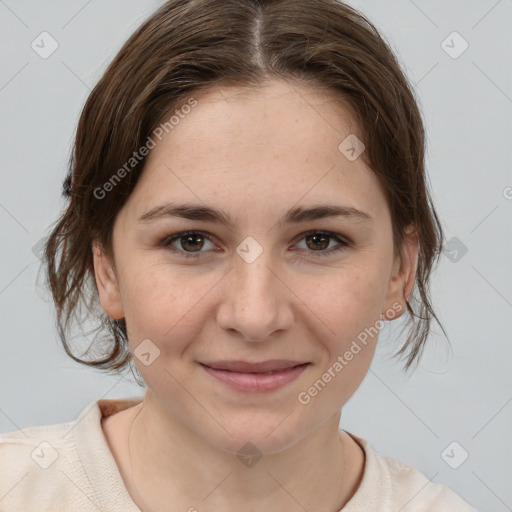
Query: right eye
<point x="193" y="240"/>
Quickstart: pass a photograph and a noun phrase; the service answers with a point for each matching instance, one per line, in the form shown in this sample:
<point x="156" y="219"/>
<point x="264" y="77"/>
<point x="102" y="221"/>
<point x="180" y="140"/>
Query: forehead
<point x="287" y="103"/>
<point x="280" y="141"/>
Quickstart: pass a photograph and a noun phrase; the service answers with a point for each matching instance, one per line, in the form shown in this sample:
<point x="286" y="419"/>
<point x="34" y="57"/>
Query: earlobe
<point x="106" y="283"/>
<point x="403" y="278"/>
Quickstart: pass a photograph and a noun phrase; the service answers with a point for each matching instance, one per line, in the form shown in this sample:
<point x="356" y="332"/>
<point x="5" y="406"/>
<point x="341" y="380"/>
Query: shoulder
<point x="41" y="469"/>
<point x="38" y="463"/>
<point x="420" y="492"/>
<point x="391" y="485"/>
<point x="65" y="466"/>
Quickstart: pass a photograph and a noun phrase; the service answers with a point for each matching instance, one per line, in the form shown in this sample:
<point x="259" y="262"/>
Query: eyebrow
<point x="295" y="215"/>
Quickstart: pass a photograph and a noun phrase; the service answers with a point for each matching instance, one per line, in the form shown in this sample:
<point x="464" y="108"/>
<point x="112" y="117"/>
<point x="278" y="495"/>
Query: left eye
<point x="316" y="241"/>
<point x="321" y="238"/>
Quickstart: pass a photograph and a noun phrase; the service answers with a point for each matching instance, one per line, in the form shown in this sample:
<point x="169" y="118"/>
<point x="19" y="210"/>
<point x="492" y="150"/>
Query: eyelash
<point x="343" y="243"/>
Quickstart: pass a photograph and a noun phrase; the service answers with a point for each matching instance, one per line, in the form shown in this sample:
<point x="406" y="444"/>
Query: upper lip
<point x="246" y="367"/>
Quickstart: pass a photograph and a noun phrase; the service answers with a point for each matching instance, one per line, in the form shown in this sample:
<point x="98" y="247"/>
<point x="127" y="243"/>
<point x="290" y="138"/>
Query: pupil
<point x="316" y="239"/>
<point x="192" y="237"/>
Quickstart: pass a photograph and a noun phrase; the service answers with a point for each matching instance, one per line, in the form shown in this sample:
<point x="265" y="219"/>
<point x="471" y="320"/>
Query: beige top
<point x="69" y="466"/>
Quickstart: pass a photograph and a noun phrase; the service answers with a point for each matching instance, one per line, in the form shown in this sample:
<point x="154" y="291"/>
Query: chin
<point x="264" y="435"/>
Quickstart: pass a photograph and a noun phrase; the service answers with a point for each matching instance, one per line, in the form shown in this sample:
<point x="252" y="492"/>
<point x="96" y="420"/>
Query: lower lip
<point x="257" y="382"/>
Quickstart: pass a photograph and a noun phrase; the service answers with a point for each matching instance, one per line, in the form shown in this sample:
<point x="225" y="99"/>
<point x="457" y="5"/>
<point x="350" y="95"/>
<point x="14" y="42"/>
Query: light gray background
<point x="463" y="395"/>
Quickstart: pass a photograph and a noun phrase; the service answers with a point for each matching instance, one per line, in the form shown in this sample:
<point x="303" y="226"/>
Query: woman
<point x="247" y="205"/>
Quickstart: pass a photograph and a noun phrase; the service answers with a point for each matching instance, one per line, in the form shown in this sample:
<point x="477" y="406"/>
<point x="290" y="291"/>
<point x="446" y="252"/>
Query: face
<point x="306" y="289"/>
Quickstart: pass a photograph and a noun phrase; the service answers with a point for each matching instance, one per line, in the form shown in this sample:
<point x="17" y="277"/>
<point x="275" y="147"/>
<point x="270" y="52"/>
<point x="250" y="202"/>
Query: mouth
<point x="262" y="376"/>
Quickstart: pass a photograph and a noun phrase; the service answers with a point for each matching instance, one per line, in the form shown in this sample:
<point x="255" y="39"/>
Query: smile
<point x="255" y="377"/>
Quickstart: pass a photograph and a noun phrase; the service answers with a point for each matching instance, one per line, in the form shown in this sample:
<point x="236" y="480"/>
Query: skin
<point x="253" y="153"/>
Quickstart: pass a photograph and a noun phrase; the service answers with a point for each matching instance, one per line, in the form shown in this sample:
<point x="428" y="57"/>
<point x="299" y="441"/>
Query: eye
<point x="317" y="243"/>
<point x="190" y="242"/>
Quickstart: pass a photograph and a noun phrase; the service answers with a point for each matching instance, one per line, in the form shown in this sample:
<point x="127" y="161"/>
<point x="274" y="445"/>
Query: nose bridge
<point x="252" y="267"/>
<point x="255" y="278"/>
<point x="255" y="304"/>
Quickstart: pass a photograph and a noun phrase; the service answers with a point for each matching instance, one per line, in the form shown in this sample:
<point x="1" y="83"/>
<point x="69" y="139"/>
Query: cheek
<point x="162" y="302"/>
<point x="345" y="299"/>
<point x="347" y="306"/>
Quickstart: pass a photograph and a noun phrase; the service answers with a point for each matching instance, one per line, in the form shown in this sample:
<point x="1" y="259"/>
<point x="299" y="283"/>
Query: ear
<point x="403" y="276"/>
<point x="106" y="282"/>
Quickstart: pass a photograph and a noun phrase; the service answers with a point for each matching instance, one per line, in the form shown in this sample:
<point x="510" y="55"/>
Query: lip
<point x="270" y="365"/>
<point x="253" y="377"/>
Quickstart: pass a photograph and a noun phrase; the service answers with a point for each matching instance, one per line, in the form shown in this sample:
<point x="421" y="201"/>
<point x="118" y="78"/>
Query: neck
<point x="170" y="464"/>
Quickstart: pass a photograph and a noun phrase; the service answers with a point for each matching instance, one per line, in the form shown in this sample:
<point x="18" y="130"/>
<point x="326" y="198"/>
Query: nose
<point x="256" y="301"/>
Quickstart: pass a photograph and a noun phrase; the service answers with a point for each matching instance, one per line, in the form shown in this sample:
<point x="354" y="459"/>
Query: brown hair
<point x="190" y="45"/>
